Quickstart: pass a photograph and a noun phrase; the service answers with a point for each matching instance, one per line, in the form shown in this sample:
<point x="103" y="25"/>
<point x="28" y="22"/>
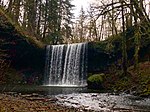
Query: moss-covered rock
<point x="95" y="81"/>
<point x="103" y="54"/>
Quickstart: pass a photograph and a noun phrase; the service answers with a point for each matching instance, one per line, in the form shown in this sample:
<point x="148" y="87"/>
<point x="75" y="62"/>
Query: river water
<point x="105" y="102"/>
<point x="81" y="97"/>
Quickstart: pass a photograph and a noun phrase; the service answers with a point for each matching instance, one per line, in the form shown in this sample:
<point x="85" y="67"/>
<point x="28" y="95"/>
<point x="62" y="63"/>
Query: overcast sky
<point x="78" y="4"/>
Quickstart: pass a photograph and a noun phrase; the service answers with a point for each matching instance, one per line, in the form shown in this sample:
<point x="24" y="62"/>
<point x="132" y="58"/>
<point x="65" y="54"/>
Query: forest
<point x="117" y="33"/>
<point x="53" y="22"/>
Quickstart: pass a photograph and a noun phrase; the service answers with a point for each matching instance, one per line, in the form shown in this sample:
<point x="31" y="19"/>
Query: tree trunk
<point x="124" y="52"/>
<point x="137" y="48"/>
<point x="39" y="19"/>
<point x="45" y="20"/>
<point x="16" y="10"/>
<point x="10" y="5"/>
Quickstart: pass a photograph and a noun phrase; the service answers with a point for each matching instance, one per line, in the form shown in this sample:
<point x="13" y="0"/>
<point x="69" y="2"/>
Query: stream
<point x="105" y="102"/>
<point x="81" y="97"/>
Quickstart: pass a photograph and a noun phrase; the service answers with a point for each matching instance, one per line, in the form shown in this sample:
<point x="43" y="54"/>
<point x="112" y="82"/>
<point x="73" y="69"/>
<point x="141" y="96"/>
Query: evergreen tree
<point x="67" y="16"/>
<point x="82" y="18"/>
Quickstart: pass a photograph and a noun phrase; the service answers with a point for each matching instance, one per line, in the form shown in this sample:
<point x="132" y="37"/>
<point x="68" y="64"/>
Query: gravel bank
<point x="30" y="103"/>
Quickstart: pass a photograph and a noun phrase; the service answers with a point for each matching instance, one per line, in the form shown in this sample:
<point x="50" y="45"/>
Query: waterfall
<point x="66" y="65"/>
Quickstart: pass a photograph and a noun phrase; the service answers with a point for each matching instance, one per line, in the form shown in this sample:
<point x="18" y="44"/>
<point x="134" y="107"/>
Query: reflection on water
<point x="80" y="97"/>
<point x="44" y="90"/>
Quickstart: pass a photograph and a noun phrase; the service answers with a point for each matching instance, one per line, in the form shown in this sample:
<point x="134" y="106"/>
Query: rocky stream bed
<point x="83" y="102"/>
<point x="30" y="103"/>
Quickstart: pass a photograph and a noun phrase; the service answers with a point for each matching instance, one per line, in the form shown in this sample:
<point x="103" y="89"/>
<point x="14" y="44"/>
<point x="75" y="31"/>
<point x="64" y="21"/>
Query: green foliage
<point x="103" y="46"/>
<point x="110" y="45"/>
<point x="96" y="78"/>
<point x="53" y="39"/>
<point x="95" y="81"/>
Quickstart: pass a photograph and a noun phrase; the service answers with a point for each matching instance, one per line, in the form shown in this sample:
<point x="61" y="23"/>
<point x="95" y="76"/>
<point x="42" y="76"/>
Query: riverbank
<point x="75" y="102"/>
<point x="135" y="83"/>
<point x="10" y="102"/>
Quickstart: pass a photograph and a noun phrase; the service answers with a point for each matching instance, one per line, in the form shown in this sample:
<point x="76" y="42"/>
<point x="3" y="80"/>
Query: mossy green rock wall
<point x="103" y="54"/>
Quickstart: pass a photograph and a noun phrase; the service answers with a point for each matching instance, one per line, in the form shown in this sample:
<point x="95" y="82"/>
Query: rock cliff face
<point x="24" y="52"/>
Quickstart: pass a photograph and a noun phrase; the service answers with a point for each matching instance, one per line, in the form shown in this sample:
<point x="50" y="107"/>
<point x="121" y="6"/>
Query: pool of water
<point x="105" y="102"/>
<point x="81" y="97"/>
<point x="43" y="90"/>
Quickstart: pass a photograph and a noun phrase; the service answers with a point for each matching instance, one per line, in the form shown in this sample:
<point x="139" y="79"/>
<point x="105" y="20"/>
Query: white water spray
<point x="66" y="65"/>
